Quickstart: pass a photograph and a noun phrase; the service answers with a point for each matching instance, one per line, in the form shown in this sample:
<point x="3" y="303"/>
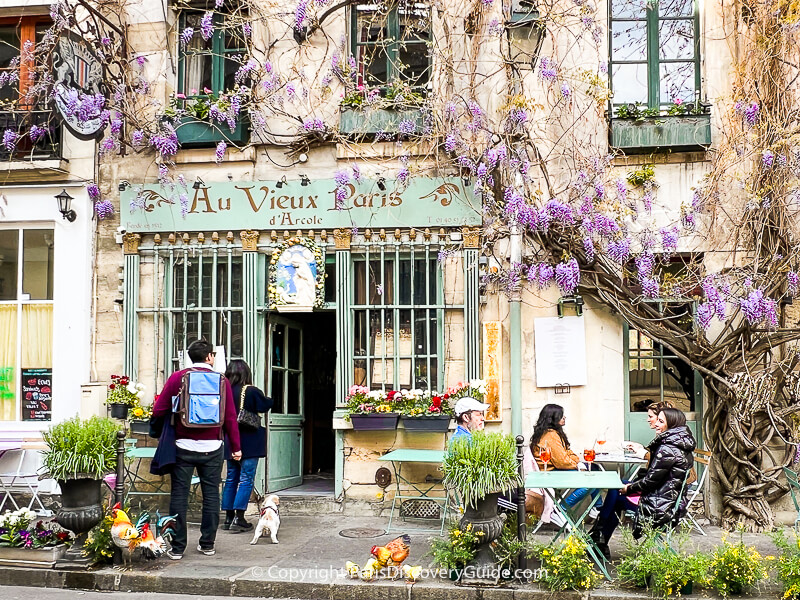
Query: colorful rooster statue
<point x="130" y="538"/>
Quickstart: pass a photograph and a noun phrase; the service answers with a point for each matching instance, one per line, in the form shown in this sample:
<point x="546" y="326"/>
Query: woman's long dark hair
<point x="673" y="417"/>
<point x="549" y="418"/>
<point x="239" y="373"/>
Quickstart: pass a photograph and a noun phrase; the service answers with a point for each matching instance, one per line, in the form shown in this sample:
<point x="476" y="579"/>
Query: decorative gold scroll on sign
<point x="493" y="368"/>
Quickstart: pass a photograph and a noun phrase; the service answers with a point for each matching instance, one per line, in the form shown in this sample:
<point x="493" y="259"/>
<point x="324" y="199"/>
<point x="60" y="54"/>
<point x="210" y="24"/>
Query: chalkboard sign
<point x="37" y="394"/>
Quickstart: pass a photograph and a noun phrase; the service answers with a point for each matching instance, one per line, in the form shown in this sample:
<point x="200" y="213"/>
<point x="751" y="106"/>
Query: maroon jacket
<point x="163" y="406"/>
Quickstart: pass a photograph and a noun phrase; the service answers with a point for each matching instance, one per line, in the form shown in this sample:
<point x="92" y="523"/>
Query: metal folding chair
<point x="794" y="490"/>
<point x="21" y="479"/>
<point x="702" y="459"/>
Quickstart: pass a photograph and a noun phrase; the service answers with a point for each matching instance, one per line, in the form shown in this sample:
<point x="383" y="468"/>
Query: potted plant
<point x="566" y="566"/>
<point x="457" y="550"/>
<point x="25" y="542"/>
<point x="123" y="394"/>
<point x="371" y="410"/>
<point x="480" y="468"/>
<point x="140" y="419"/>
<point x="735" y="568"/>
<point x="788" y="564"/>
<point x="426" y="411"/>
<point x="78" y="455"/>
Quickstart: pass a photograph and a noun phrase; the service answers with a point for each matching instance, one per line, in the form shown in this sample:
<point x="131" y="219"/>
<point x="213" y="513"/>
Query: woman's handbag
<point x="247" y="418"/>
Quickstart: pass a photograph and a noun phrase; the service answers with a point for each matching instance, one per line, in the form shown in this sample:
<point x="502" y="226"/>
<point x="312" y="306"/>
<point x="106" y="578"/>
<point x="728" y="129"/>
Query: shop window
<point x="17" y="74"/>
<point x="390" y="42"/>
<point x="398" y="316"/>
<point x="26" y="316"/>
<point x="655" y="374"/>
<point x="207" y="302"/>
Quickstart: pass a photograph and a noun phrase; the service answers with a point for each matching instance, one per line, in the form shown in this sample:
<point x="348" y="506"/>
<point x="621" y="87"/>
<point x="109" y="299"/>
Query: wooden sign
<point x="493" y="368"/>
<point x="37" y="394"/>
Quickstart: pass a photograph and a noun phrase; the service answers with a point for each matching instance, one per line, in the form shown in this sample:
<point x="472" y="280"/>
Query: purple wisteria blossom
<point x="218" y="3"/>
<point x="403" y="175"/>
<point x="516" y="209"/>
<point x="588" y="248"/>
<point x="314" y="125"/>
<point x="757" y="307"/>
<point x="342" y="179"/>
<point x="792" y="281"/>
<point x="166" y="142"/>
<point x="137" y="138"/>
<point x="767" y="159"/>
<point x="300" y="14"/>
<point x="560" y="213"/>
<point x="104" y="209"/>
<point x="406" y="126"/>
<point x="650" y="287"/>
<point x="715" y="296"/>
<point x="548" y="69"/>
<point x="219" y="153"/>
<point x="186" y="36"/>
<point x="10" y="140"/>
<point x="605" y="226"/>
<point x="669" y="239"/>
<point x="751" y="114"/>
<point x="247" y="29"/>
<point x="245" y="71"/>
<point x="619" y="250"/>
<point x="93" y="190"/>
<point x="688" y="221"/>
<point x="565" y="91"/>
<point x="36" y="133"/>
<point x="207" y="25"/>
<point x="356" y="174"/>
<point x="545" y="276"/>
<point x="568" y="276"/>
<point x="645" y="263"/>
<point x="450" y="142"/>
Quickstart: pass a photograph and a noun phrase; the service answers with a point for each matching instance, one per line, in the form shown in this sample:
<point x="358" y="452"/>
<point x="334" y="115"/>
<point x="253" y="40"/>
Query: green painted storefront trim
<point x="472" y="325"/>
<point x="130" y="361"/>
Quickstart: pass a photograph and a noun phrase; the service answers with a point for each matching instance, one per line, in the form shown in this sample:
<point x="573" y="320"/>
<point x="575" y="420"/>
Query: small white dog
<point x="270" y="519"/>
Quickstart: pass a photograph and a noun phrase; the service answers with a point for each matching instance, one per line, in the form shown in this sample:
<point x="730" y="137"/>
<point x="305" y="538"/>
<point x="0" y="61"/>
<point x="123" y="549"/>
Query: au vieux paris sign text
<point x="230" y="205"/>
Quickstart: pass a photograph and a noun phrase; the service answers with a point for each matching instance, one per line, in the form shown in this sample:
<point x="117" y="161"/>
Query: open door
<point x="285" y="385"/>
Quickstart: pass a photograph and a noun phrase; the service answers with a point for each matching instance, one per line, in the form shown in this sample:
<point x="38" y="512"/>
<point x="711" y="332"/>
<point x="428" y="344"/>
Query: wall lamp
<point x="575" y="300"/>
<point x="198" y="183"/>
<point x="281" y="182"/>
<point x="65" y="206"/>
<point x="381" y="184"/>
<point x="124" y="185"/>
<point x="304" y="180"/>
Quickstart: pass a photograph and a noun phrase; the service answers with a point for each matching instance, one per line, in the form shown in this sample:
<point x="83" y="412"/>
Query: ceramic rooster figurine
<point x="392" y="554"/>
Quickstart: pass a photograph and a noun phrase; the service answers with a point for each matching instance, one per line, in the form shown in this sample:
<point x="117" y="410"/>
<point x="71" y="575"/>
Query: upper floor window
<point x="209" y="66"/>
<point x="390" y="42"/>
<point x="655" y="52"/>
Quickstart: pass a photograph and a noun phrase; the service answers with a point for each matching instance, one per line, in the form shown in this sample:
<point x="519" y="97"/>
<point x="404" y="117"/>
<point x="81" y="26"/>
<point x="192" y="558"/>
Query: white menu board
<point x="560" y="351"/>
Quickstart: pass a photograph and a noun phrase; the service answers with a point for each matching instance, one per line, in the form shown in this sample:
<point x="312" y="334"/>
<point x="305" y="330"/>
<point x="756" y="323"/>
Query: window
<point x="656" y="374"/>
<point x="210" y="64"/>
<point x="26" y="318"/>
<point x="655" y="52"/>
<point x="398" y="316"/>
<point x="15" y="79"/>
<point x="207" y="302"/>
<point x="391" y="44"/>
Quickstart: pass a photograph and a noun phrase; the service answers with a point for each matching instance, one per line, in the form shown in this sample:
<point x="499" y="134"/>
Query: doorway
<point x="301" y="379"/>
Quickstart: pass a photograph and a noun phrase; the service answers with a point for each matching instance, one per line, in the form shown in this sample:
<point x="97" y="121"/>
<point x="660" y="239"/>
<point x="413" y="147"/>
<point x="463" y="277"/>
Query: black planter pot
<point x="439" y="423"/>
<point x="81" y="509"/>
<point x="140" y="426"/>
<point x="483" y="518"/>
<point x="375" y="421"/>
<point x="119" y="410"/>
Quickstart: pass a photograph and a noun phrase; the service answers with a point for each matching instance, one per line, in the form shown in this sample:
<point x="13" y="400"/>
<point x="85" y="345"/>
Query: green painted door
<point x="652" y="374"/>
<point x="285" y="383"/>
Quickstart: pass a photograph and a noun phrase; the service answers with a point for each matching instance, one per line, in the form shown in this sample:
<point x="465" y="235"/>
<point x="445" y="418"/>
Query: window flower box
<point x="193" y="132"/>
<point x="375" y="421"/>
<point x="36" y="558"/>
<point x="359" y="122"/>
<point x="673" y="132"/>
<point x="429" y="423"/>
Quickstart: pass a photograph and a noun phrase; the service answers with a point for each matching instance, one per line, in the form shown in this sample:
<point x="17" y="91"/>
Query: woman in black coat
<point x="659" y="486"/>
<point x="241" y="474"/>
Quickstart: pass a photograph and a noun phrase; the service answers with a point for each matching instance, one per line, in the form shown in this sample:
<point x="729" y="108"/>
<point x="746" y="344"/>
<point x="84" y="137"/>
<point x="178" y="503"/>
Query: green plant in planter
<point x="639" y="559"/>
<point x="566" y="567"/>
<point x="457" y="549"/>
<point x="75" y="447"/>
<point x="735" y="567"/>
<point x="482" y="464"/>
<point x="788" y="566"/>
<point x="507" y="547"/>
<point x="676" y="570"/>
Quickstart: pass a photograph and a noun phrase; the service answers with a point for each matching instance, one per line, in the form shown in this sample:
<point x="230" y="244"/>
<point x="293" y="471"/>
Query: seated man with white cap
<point x="470" y="416"/>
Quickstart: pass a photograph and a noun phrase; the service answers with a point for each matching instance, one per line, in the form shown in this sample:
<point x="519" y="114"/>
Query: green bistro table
<point x="550" y="481"/>
<point x="426" y="491"/>
<point x="141" y="486"/>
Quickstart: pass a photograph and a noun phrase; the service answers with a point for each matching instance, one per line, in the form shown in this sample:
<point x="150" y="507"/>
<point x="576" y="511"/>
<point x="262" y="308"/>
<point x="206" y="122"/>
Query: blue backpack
<point x="202" y="399"/>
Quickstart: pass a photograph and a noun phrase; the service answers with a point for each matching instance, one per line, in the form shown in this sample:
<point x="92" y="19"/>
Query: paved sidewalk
<point x="308" y="563"/>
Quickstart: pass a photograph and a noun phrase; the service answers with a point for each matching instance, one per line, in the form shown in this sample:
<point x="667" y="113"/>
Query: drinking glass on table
<point x="602" y="438"/>
<point x="544" y="455"/>
<point x="588" y="456"/>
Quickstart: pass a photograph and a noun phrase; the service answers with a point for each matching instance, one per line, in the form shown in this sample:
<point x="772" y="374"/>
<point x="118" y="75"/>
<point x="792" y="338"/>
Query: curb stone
<point x="107" y="580"/>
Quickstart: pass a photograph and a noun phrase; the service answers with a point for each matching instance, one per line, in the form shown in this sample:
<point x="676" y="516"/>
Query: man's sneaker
<point x="594" y="513"/>
<point x="557" y="519"/>
<point x="206" y="551"/>
<point x="174" y="555"/>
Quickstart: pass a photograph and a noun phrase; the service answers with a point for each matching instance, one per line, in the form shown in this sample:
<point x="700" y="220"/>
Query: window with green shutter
<point x="209" y="64"/>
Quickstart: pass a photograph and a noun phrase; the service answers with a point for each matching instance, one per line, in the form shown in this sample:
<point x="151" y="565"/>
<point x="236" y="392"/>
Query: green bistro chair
<point x="794" y="488"/>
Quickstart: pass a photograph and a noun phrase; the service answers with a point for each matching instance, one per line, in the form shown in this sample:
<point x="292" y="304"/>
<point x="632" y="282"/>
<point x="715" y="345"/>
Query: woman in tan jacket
<point x="549" y="433"/>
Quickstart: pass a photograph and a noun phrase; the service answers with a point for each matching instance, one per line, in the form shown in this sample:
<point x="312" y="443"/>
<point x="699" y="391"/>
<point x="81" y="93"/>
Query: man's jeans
<point x="239" y="483"/>
<point x="209" y="470"/>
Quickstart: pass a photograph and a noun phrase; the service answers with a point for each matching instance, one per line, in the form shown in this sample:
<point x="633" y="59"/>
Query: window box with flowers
<point x="123" y="395"/>
<point x="672" y="131"/>
<point x="374" y="410"/>
<point x="426" y="411"/>
<point x="202" y="121"/>
<point x="28" y="543"/>
<point x="140" y="419"/>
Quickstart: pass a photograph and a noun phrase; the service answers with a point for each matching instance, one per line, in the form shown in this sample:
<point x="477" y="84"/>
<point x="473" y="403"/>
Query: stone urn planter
<point x="484" y="519"/>
<point x="81" y="509"/>
<point x="35" y="558"/>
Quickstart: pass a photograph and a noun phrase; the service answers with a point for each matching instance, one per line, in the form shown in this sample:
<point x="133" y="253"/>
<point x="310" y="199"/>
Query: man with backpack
<point x="199" y="403"/>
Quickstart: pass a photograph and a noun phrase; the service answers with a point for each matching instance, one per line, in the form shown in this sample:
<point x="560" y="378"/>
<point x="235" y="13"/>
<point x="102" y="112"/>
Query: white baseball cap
<point x="469" y="403"/>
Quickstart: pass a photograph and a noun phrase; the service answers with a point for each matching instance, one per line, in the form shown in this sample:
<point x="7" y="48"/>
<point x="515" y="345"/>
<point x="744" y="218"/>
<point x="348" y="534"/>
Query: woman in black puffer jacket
<point x="659" y="486"/>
